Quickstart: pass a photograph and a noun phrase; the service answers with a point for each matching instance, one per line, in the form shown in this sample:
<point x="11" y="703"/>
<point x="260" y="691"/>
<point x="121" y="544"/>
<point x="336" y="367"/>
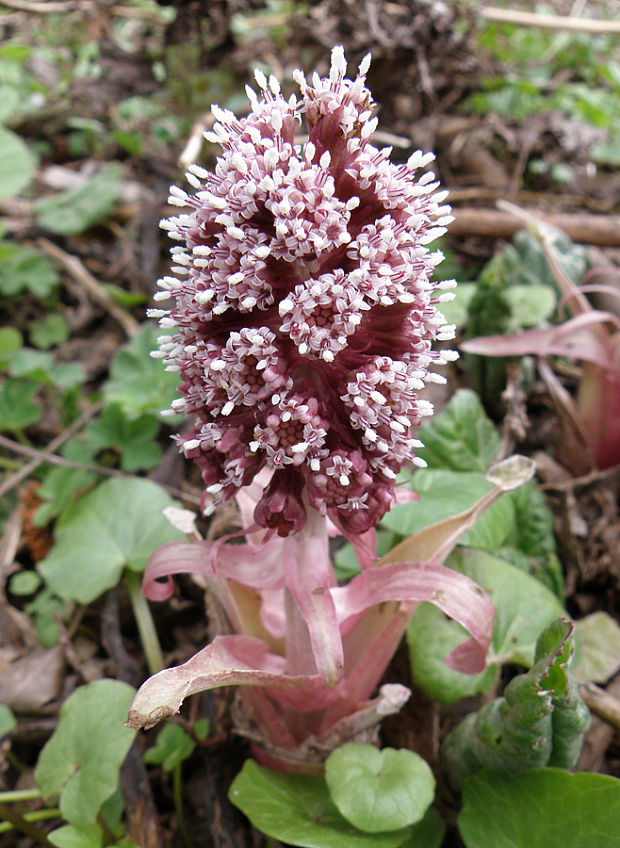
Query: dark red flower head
<point x="303" y="308"/>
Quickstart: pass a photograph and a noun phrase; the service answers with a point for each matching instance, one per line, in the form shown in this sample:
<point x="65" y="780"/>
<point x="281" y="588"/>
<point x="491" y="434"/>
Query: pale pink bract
<point x="303" y="308"/>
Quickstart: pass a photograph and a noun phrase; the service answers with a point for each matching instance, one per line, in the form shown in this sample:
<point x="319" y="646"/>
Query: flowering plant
<point x="303" y="321"/>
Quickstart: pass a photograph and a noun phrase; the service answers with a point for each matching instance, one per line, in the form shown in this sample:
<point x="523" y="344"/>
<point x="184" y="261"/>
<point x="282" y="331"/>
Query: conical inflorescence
<point x="303" y="309"/>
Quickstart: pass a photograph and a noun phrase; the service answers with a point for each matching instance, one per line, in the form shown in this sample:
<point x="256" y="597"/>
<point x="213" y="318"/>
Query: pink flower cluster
<point x="304" y="312"/>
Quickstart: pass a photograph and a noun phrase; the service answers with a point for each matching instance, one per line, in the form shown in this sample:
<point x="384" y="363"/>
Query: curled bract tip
<point x="512" y="472"/>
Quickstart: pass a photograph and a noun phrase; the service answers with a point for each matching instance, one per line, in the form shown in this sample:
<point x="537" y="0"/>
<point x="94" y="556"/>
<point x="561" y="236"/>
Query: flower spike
<point x="302" y="304"/>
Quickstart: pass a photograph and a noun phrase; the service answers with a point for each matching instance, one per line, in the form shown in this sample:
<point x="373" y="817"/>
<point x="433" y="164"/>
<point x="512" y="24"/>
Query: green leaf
<point x="442" y="495"/>
<point x="76" y="210"/>
<point x="501" y="303"/>
<point x="9" y="102"/>
<point x="607" y="152"/>
<point x="36" y="364"/>
<point x="40" y="365"/>
<point x="81" y="761"/>
<point x="532" y="266"/>
<point x="172" y="746"/>
<point x="531" y="542"/>
<point x="542" y="808"/>
<point x="7" y="720"/>
<point x="530" y="304"/>
<point x="60" y="485"/>
<point x="24" y="583"/>
<point x="297" y="810"/>
<point x="455" y="311"/>
<point x="91" y="836"/>
<point x="10" y="341"/>
<point x="201" y="728"/>
<point x="598" y="639"/>
<point x="118" y="525"/>
<point x="67" y="375"/>
<point x="128" y="299"/>
<point x="139" y="383"/>
<point x="519" y="526"/>
<point x="379" y="790"/>
<point x="488" y="314"/>
<point x="47" y="609"/>
<point x="431" y="636"/>
<point x="461" y="437"/>
<point x="539" y="721"/>
<point x="17" y="407"/>
<point x="111" y="813"/>
<point x="523" y="608"/>
<point x="16" y="164"/>
<point x="492" y="528"/>
<point x="23" y="269"/>
<point x="133" y="439"/>
<point x="427" y="833"/>
<point x="50" y="331"/>
<point x="70" y="836"/>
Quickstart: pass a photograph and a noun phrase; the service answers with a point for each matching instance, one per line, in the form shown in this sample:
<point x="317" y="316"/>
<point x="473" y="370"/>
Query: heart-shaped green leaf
<point x="16" y="164"/>
<point x="18" y="409"/>
<point x="379" y="790"/>
<point x="81" y="761"/>
<point x="118" y="525"/>
<point x="297" y="810"/>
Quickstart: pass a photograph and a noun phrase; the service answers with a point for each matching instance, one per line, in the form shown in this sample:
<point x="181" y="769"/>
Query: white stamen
<point x="364" y="65"/>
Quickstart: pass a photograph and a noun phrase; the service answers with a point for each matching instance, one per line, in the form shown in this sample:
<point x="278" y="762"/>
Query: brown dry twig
<point x="591" y="26"/>
<point x="26" y="470"/>
<point x="592" y="478"/>
<point x="603" y="230"/>
<point x="602" y="703"/>
<point x="82" y="275"/>
<point x="54" y="459"/>
<point x="45" y="7"/>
